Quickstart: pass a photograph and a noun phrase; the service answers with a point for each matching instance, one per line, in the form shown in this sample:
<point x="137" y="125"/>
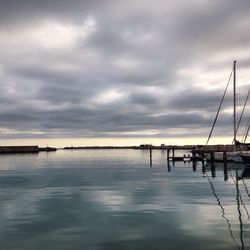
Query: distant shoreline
<point x="201" y="148"/>
<point x="99" y="147"/>
<point x="131" y="147"/>
<point x="208" y="148"/>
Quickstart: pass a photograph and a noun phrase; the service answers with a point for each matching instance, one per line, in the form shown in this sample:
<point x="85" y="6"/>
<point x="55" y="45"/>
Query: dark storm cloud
<point x="14" y="11"/>
<point x="205" y="101"/>
<point x="119" y="68"/>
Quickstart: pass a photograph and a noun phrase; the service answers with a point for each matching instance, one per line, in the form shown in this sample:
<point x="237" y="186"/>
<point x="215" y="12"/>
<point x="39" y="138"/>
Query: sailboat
<point x="245" y="156"/>
<point x="234" y="156"/>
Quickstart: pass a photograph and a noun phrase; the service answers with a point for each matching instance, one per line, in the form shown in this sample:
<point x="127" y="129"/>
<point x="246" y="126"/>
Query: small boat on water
<point x="244" y="173"/>
<point x="246" y="159"/>
<point x="233" y="156"/>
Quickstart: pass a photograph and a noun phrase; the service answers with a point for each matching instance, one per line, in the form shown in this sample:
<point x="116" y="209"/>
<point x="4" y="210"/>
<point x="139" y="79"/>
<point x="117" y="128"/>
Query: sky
<point x="115" y="72"/>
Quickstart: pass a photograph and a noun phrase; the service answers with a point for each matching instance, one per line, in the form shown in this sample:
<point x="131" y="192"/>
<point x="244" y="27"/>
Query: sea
<point x="117" y="200"/>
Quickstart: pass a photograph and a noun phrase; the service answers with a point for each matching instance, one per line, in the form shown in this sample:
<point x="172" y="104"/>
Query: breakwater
<point x="23" y="149"/>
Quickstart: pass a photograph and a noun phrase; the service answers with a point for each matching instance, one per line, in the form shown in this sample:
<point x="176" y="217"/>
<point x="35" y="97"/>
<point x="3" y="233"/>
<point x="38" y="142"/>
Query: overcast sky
<point x="115" y="68"/>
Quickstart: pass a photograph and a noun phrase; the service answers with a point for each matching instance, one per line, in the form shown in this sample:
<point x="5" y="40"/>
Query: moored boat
<point x="246" y="159"/>
<point x="235" y="155"/>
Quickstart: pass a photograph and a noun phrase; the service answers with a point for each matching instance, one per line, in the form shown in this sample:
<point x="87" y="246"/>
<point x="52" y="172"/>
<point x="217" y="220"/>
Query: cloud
<point x="115" y="68"/>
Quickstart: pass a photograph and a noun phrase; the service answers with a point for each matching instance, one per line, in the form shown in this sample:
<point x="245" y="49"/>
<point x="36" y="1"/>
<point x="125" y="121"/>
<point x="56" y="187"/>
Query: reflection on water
<point x="121" y="199"/>
<point x="222" y="210"/>
<point x="239" y="199"/>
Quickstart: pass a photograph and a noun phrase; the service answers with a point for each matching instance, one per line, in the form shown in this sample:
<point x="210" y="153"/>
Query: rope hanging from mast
<point x="216" y="117"/>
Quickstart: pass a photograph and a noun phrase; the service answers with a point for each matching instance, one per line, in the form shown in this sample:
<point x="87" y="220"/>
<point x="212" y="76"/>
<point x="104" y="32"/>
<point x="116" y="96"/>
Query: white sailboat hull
<point x="231" y="156"/>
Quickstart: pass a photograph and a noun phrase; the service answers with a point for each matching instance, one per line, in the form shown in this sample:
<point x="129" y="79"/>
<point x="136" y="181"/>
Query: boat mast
<point x="234" y="95"/>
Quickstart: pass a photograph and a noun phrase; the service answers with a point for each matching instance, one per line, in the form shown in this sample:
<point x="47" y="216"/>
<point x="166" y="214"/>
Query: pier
<point x="197" y="153"/>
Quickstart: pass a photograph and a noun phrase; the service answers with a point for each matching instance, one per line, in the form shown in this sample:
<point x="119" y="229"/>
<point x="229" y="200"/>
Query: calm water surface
<point x="113" y="199"/>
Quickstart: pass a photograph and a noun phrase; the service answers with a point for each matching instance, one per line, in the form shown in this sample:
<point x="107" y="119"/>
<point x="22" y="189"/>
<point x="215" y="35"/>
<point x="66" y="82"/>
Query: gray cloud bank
<point x="120" y="68"/>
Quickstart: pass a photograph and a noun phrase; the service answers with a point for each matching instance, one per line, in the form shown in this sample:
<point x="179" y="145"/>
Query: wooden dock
<point x="196" y="154"/>
<point x="182" y="158"/>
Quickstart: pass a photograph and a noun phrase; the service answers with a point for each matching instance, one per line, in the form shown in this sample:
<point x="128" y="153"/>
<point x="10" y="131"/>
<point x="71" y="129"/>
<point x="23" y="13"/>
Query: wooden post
<point x="213" y="170"/>
<point x="168" y="160"/>
<point x="194" y="166"/>
<point x="203" y="169"/>
<point x="194" y="155"/>
<point x="194" y="160"/>
<point x="202" y="159"/>
<point x="225" y="165"/>
<point x="150" y="157"/>
<point x="225" y="157"/>
<point x="168" y="155"/>
<point x="212" y="156"/>
<point x="203" y="163"/>
<point x="173" y="155"/>
<point x="169" y="167"/>
<point x="212" y="165"/>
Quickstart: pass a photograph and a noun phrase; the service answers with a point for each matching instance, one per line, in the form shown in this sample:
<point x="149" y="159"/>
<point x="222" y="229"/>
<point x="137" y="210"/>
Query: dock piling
<point x="213" y="170"/>
<point x="212" y="156"/>
<point x="225" y="165"/>
<point x="168" y="153"/>
<point x="150" y="153"/>
<point x="173" y="156"/>
<point x="203" y="159"/>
